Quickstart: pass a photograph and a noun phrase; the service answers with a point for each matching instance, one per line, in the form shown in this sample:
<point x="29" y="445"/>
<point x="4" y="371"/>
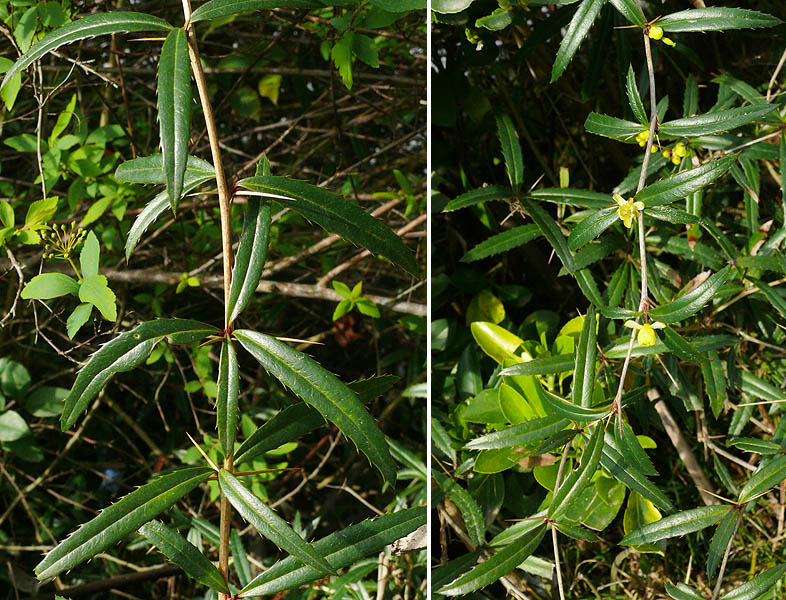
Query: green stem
<point x="73" y="266"/>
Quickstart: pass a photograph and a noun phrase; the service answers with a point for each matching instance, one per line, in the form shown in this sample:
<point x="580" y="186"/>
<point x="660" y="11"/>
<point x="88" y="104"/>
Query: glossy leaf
<point x="269" y="524"/>
<point x="715" y="19"/>
<point x="681" y="523"/>
<point x="340" y="549"/>
<point x="470" y="511"/>
<point x="720" y="540"/>
<point x="50" y="285"/>
<point x="672" y="215"/>
<point x="714" y="382"/>
<point x="579" y="478"/>
<point x="578" y="29"/>
<point x="682" y="591"/>
<point x="612" y="127"/>
<point x="337" y="215"/>
<point x="568" y="410"/>
<point x="715" y="122"/>
<point x="286" y="426"/>
<point x="184" y="554"/>
<point x="226" y="403"/>
<point x="511" y="150"/>
<point x="584" y="368"/>
<point x="592" y="227"/>
<point x="322" y="390"/>
<point x="572" y="197"/>
<point x="473" y="197"/>
<point x="684" y="183"/>
<point x="150" y="169"/>
<point x="123" y="353"/>
<point x="250" y="257"/>
<point x="551" y="232"/>
<point x="630" y="448"/>
<point x="634" y="98"/>
<point x="542" y="366"/>
<point x="118" y="520"/>
<point x="681" y="347"/>
<point x="692" y="302"/>
<point x="519" y="435"/>
<point x="630" y="11"/>
<point x="632" y="478"/>
<point x="502" y="242"/>
<point x="496" y="566"/>
<point x="216" y="9"/>
<point x="765" y="477"/>
<point x="756" y="445"/>
<point x="756" y="586"/>
<point x="87" y="27"/>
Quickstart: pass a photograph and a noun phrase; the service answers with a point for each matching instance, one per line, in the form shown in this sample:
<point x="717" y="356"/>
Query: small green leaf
<point x="612" y="127"/>
<point x="511" y="150"/>
<point x="721" y="539"/>
<point x="502" y="242"/>
<point x="630" y="448"/>
<point x="671" y="215"/>
<point x="226" y="403"/>
<point x="470" y="511"/>
<point x="578" y="29"/>
<point x="568" y="410"/>
<point x="216" y="9"/>
<point x="714" y="382"/>
<point x="89" y="256"/>
<point x="715" y="122"/>
<point x="250" y="257"/>
<point x="12" y="426"/>
<point x="542" y="366"/>
<point x="765" y="477"/>
<point x="681" y="523"/>
<point x="715" y="19"/>
<point x="120" y="519"/>
<point x="756" y="586"/>
<point x="50" y="285"/>
<point x="579" y="478"/>
<point x="95" y="290"/>
<point x="572" y="197"/>
<point x="241" y="565"/>
<point x="629" y="10"/>
<point x="6" y="213"/>
<point x="269" y="524"/>
<point x="184" y="554"/>
<point x="684" y="183"/>
<point x="692" y="302"/>
<point x="473" y="197"/>
<point x="592" y="226"/>
<point x="41" y="211"/>
<point x="681" y="347"/>
<point x="632" y="478"/>
<point x="78" y="317"/>
<point x="756" y="445"/>
<point x="682" y="591"/>
<point x="551" y="233"/>
<point x="634" y="98"/>
<point x="519" y="435"/>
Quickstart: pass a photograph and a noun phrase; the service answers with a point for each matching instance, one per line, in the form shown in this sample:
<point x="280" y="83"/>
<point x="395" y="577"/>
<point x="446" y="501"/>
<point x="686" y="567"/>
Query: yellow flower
<point x="656" y="33"/>
<point x="667" y="153"/>
<point x="642" y="137"/>
<point x="680" y="150"/>
<point x="628" y="209"/>
<point x="646" y="335"/>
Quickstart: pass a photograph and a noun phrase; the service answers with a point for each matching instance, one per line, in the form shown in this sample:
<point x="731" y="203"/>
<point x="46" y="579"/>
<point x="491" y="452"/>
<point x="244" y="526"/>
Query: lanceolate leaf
<point x="290" y="424"/>
<point x="592" y="227"/>
<point x="612" y="127"/>
<point x="340" y="549"/>
<point x="150" y="169"/>
<point x="184" y="554"/>
<point x="337" y="215"/>
<point x="682" y="591"/>
<point x="470" y="511"/>
<point x="251" y="254"/>
<point x="630" y="11"/>
<point x="680" y="185"/>
<point x="542" y="366"/>
<point x="680" y="523"/>
<point x="519" y="435"/>
<point x="715" y="122"/>
<point x="632" y="478"/>
<point x="672" y="215"/>
<point x="630" y="448"/>
<point x="473" y="197"/>
<point x="511" y="150"/>
<point x="269" y="524"/>
<point x="502" y="242"/>
<point x="634" y="98"/>
<point x="721" y="539"/>
<point x="763" y="479"/>
<point x="578" y="479"/>
<point x="87" y="27"/>
<point x="777" y="301"/>
<point x="225" y="8"/>
<point x="124" y="353"/>
<point x="174" y="111"/>
<point x="584" y="369"/>
<point x="571" y="411"/>
<point x="756" y="586"/>
<point x="578" y="29"/>
<point x="498" y="565"/>
<point x="572" y="197"/>
<point x="693" y="301"/>
<point x="322" y="390"/>
<point x="551" y="232"/>
<point x="715" y="19"/>
<point x="120" y="519"/>
<point x="681" y="347"/>
<point x="226" y="404"/>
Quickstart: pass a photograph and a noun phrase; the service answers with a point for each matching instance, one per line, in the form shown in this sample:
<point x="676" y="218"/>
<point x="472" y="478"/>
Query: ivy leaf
<point x="95" y="290"/>
<point x="578" y="29"/>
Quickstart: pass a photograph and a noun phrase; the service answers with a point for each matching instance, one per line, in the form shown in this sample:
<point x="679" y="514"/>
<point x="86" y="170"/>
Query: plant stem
<point x="716" y="591"/>
<point x="554" y="529"/>
<point x="224" y="204"/>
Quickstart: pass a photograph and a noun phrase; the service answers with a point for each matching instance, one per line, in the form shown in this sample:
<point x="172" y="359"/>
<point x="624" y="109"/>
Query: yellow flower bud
<point x="655" y="32"/>
<point x="666" y="153"/>
<point x="642" y="137"/>
<point x="680" y="150"/>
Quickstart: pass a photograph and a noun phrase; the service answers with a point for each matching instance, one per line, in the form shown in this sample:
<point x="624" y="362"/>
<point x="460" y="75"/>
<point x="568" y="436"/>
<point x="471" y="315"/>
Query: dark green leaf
<point x="777" y="301"/>
<point x="584" y="369"/>
<point x="630" y="11"/>
<point x="632" y="478"/>
<point x="288" y="425"/>
<point x="150" y="169"/>
<point x="240" y="559"/>
<point x="580" y="477"/>
<point x="571" y="411"/>
<point x="519" y="435"/>
<point x="216" y="9"/>
<point x="634" y="98"/>
<point x="682" y="591"/>
<point x="756" y="586"/>
<point x="184" y="554"/>
<point x="671" y="215"/>
<point x="681" y="347"/>
<point x="322" y="390"/>
<point x="714" y="382"/>
<point x="681" y="523"/>
<point x="551" y="232"/>
<point x="715" y="122"/>
<point x="542" y="366"/>
<point x="763" y="479"/>
<point x="715" y="19"/>
<point x="511" y="150"/>
<point x="473" y="197"/>
<point x="721" y="539"/>
<point x="502" y="242"/>
<point x="572" y="197"/>
<point x="470" y="511"/>
<point x="680" y="185"/>
<point x="337" y="215"/>
<point x="630" y="448"/>
<point x="120" y="519"/>
<point x="250" y="257"/>
<point x="576" y="533"/>
<point x="592" y="227"/>
<point x="693" y="301"/>
<point x="756" y="445"/>
<point x="578" y="29"/>
<point x="612" y="127"/>
<point x="226" y="403"/>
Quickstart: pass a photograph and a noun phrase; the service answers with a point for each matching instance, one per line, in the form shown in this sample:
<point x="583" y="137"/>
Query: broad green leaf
<point x="682" y="591"/>
<point x="288" y="425"/>
<point x="519" y="435"/>
<point x="715" y="122"/>
<point x="763" y="479"/>
<point x="572" y="197"/>
<point x="46" y="401"/>
<point x="87" y="27"/>
<point x="631" y="477"/>
<point x="473" y="197"/>
<point x="496" y="566"/>
<point x="89" y="256"/>
<point x="542" y="366"/>
<point x="720" y="540"/>
<point x="124" y="353"/>
<point x="250" y="257"/>
<point x="269" y="524"/>
<point x="78" y="317"/>
<point x="12" y="426"/>
<point x="578" y="29"/>
<point x="592" y="226"/>
<point x="551" y="233"/>
<point x="634" y="98"/>
<point x="681" y="347"/>
<point x="184" y="554"/>
<point x="684" y="183"/>
<point x="497" y="342"/>
<point x="449" y="6"/>
<point x="340" y="549"/>
<point x="337" y="215"/>
<point x="95" y="290"/>
<point x="41" y="211"/>
<point x="174" y="110"/>
<point x="470" y="511"/>
<point x="692" y="302"/>
<point x="216" y="9"/>
<point x="756" y="586"/>
<point x="502" y="242"/>
<point x="715" y="19"/>
<point x="511" y="150"/>
<point x="579" y="478"/>
<point x="612" y="127"/>
<point x="681" y="523"/>
<point x="584" y="369"/>
<point x="630" y="11"/>
<point x="50" y="285"/>
<point x="150" y="169"/>
<point x="322" y="390"/>
<point x="119" y="519"/>
<point x="226" y="403"/>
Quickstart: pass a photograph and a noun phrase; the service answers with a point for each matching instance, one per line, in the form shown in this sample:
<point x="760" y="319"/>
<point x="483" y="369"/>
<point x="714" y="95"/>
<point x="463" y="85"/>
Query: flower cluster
<point x="61" y="240"/>
<point x="677" y="153"/>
